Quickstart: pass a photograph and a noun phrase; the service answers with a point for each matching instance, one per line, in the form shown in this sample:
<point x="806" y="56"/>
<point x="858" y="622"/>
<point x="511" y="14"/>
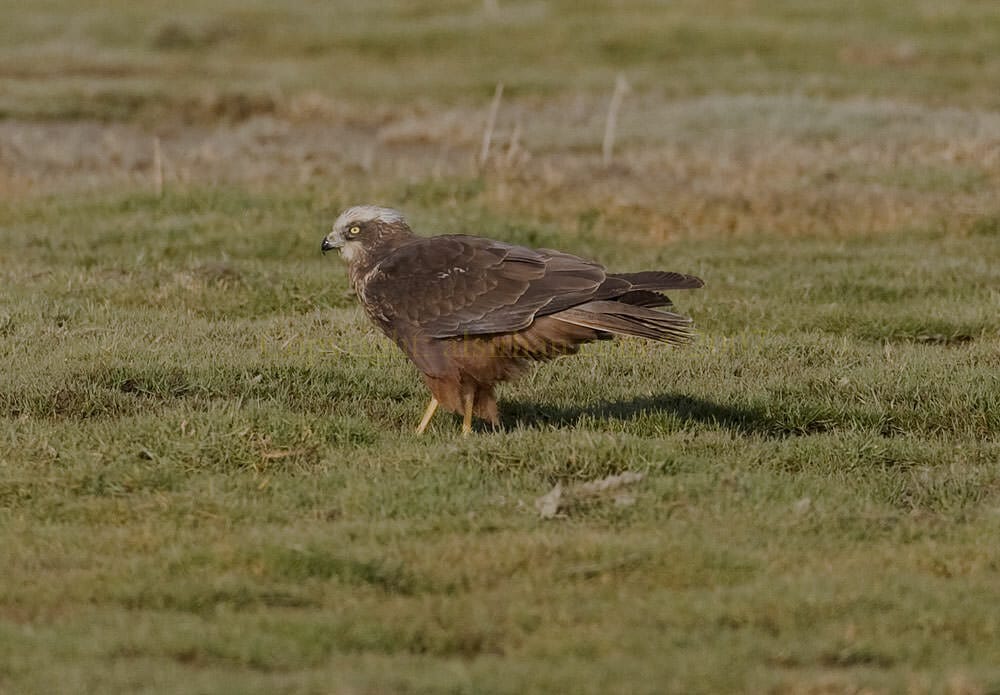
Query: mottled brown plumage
<point x="472" y="312"/>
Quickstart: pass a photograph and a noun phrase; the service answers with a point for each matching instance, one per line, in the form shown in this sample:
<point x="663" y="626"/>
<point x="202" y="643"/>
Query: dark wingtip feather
<point x="661" y="280"/>
<point x="646" y="298"/>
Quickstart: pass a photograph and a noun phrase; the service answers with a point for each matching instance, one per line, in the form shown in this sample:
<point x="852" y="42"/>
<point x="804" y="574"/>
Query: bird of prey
<point x="471" y="312"/>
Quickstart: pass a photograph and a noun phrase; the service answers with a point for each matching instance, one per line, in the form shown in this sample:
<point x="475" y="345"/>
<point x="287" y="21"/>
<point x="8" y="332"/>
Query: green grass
<point x="227" y="59"/>
<point x="208" y="481"/>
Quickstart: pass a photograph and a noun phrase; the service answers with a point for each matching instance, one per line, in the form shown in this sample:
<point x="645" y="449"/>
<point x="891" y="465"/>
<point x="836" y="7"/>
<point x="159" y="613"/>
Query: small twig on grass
<point x="611" y="125"/>
<point x="491" y="122"/>
<point x="556" y="503"/>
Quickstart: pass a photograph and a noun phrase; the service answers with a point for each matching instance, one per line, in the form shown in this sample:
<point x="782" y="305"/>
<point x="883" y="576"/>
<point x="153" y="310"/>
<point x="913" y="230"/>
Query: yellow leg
<point x="468" y="400"/>
<point x="428" y="414"/>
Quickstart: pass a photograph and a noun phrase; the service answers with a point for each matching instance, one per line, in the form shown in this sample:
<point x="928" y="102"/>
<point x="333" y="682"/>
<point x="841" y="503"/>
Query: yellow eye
<point x="354" y="231"/>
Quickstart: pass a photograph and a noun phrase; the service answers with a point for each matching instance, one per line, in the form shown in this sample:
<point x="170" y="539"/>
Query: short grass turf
<point x="209" y="481"/>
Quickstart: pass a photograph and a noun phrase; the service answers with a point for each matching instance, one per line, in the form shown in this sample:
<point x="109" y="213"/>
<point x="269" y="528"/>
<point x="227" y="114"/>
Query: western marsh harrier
<point x="471" y="312"/>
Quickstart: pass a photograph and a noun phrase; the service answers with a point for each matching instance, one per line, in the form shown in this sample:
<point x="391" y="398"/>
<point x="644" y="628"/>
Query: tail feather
<point x="626" y="319"/>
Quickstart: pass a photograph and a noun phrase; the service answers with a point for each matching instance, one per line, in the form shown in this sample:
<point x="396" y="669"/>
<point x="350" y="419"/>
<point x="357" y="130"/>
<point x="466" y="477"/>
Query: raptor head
<point x="365" y="231"/>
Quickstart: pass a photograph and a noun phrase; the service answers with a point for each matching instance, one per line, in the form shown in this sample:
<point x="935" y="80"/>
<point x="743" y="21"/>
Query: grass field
<point x="208" y="481"/>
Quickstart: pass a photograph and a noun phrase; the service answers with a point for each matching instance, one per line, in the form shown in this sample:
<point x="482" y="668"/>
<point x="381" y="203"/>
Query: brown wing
<point x="451" y="286"/>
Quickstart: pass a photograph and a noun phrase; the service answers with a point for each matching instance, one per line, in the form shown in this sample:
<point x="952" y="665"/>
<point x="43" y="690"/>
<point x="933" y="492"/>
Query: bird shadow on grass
<point x="686" y="409"/>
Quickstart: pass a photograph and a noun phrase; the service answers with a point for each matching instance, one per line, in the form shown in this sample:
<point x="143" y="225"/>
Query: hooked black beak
<point x="328" y="245"/>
